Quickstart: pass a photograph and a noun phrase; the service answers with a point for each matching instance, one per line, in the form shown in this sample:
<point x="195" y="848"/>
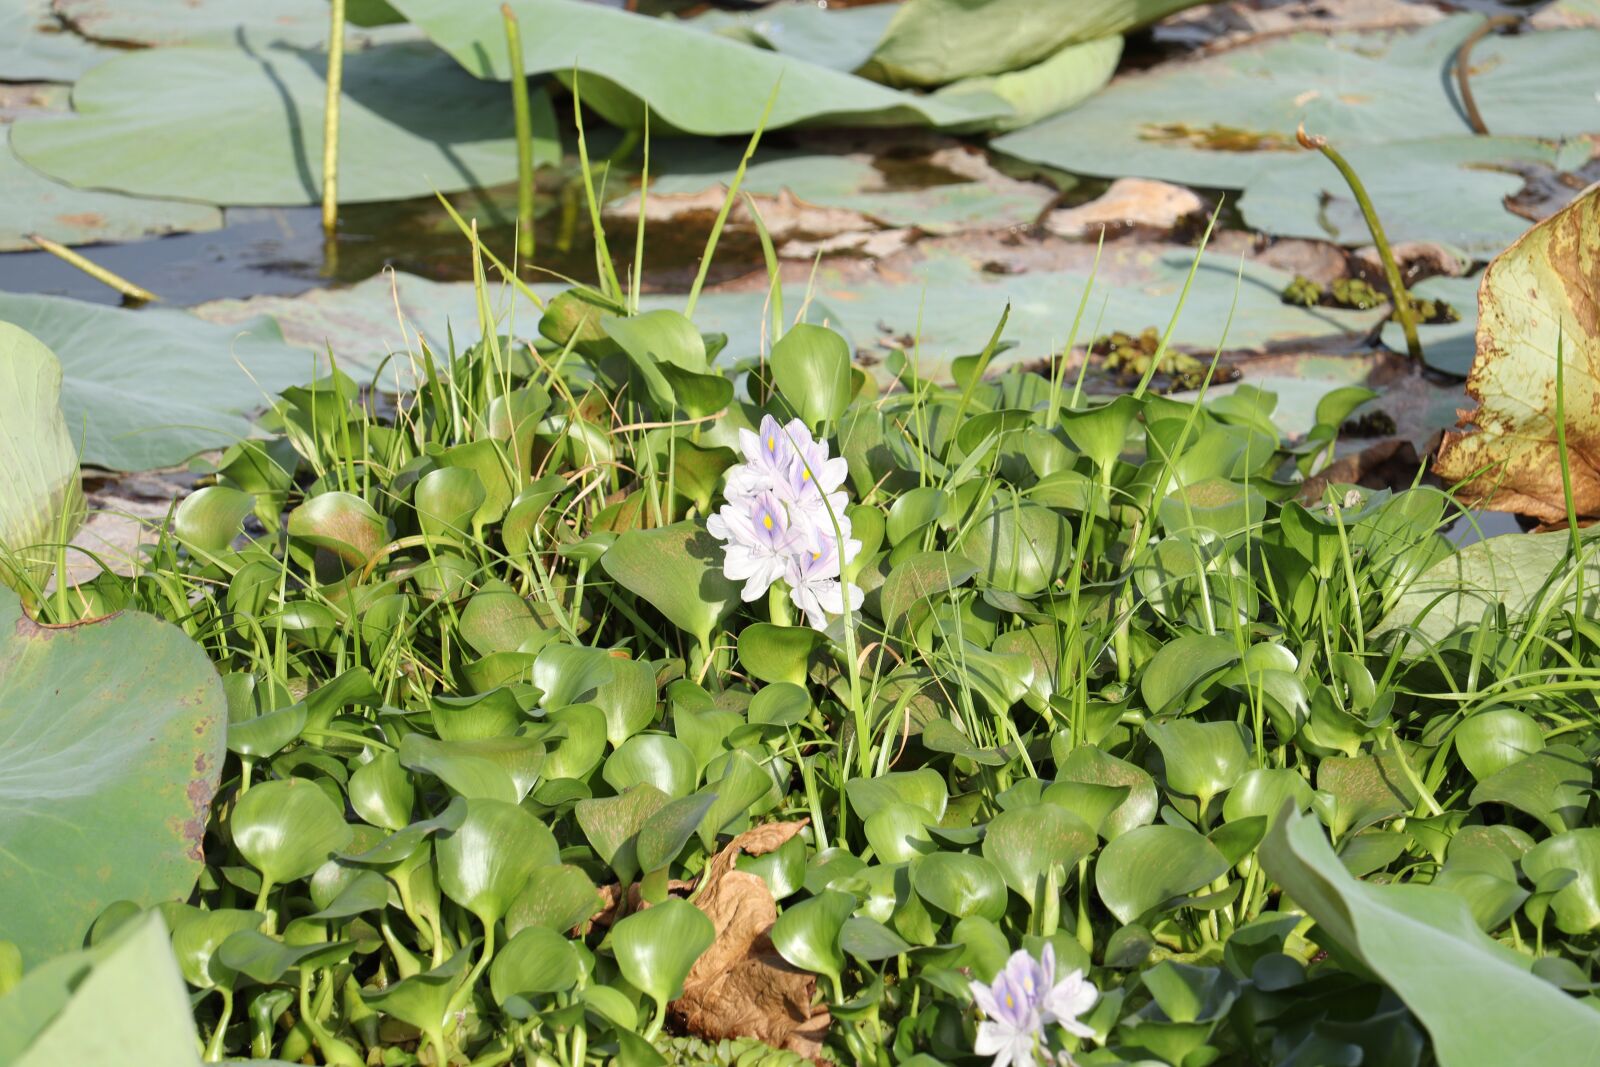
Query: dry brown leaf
<point x="1539" y="296"/>
<point x="741" y="986"/>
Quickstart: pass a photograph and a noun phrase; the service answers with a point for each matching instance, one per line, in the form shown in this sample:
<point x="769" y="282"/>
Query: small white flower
<point x="814" y="587"/>
<point x="1022" y="1000"/>
<point x="760" y="542"/>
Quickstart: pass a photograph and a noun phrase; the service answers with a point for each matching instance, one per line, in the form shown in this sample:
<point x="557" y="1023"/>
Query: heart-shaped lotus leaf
<point x="401" y="101"/>
<point x="656" y="947"/>
<point x="811" y="368"/>
<point x="870" y="941"/>
<point x="612" y="825"/>
<point x="421" y="999"/>
<point x="341" y="523"/>
<point x="557" y="897"/>
<point x="268" y="959"/>
<point x="1180" y="666"/>
<point x="209" y="519"/>
<point x="1027" y="843"/>
<point x="960" y="884"/>
<point x="197" y="935"/>
<point x="919" y="47"/>
<point x="484" y="863"/>
<point x="774" y="653"/>
<point x="628" y="699"/>
<point x="287" y="828"/>
<point x="569" y="674"/>
<point x="1552" y="785"/>
<point x="122" y="1000"/>
<point x="575" y="755"/>
<point x="382" y="793"/>
<point x="467" y="774"/>
<point x="658" y="759"/>
<point x="1577" y="904"/>
<point x="1019" y="547"/>
<point x="1143" y="869"/>
<point x="780" y="703"/>
<point x="1356" y="792"/>
<point x="665" y="833"/>
<point x="807" y="933"/>
<point x="108" y="772"/>
<point x="1536" y="316"/>
<point x="41" y="502"/>
<point x="627" y="59"/>
<point x="446" y="499"/>
<point x="1200" y="759"/>
<point x="1476" y="996"/>
<point x="925" y="788"/>
<point x="677" y="570"/>
<point x="1230" y="117"/>
<point x="1262" y="791"/>
<point x="923" y="575"/>
<point x="1518" y="575"/>
<point x="1093" y="766"/>
<point x="1491" y="740"/>
<point x="168" y="395"/>
<point x="535" y="962"/>
<point x="898" y="833"/>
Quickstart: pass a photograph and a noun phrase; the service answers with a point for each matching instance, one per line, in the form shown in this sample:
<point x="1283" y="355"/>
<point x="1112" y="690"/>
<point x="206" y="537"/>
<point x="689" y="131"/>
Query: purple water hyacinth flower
<point x="814" y="586"/>
<point x="785" y="518"/>
<point x="760" y="542"/>
<point x="1022" y="1000"/>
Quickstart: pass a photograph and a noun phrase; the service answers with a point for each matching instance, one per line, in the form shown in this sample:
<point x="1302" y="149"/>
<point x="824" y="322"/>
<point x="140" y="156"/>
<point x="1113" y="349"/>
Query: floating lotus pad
<point x="838" y="38"/>
<point x="696" y="82"/>
<point x="1451" y="190"/>
<point x="146" y="389"/>
<point x="32" y="203"/>
<point x="163" y="22"/>
<point x="1223" y="120"/>
<point x="242" y="125"/>
<point x="36" y="46"/>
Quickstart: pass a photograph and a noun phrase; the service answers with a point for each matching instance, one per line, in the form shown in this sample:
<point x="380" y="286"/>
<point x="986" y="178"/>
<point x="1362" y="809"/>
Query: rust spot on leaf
<point x="87" y="220"/>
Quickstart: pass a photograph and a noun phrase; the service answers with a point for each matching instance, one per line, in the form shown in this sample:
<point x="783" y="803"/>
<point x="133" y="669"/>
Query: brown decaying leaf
<point x="741" y="987"/>
<point x="1545" y="287"/>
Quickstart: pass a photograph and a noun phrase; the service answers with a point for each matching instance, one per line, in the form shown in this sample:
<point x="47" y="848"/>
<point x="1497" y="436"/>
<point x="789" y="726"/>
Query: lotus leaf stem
<point x="330" y="120"/>
<point x="524" y="125"/>
<point x="134" y="293"/>
<point x="1404" y="312"/>
<point x="1464" y="68"/>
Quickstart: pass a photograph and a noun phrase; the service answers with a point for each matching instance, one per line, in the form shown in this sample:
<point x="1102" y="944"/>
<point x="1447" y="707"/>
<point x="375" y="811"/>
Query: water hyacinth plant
<point x="784" y="521"/>
<point x="1023" y="1001"/>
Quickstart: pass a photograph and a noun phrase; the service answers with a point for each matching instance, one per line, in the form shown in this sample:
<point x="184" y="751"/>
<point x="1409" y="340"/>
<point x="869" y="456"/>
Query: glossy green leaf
<point x="485" y="862"/>
<point x="1475" y="996"/>
<point x="42" y="501"/>
<point x="1027" y="843"/>
<point x="811" y="368"/>
<point x="287" y="828"/>
<point x="1145" y="868"/>
<point x="106" y="782"/>
<point x="676" y="569"/>
<point x="557" y="897"/>
<point x="1552" y="785"/>
<point x="534" y="962"/>
<point x="960" y="884"/>
<point x="656" y="947"/>
<point x="1493" y="739"/>
<point x="807" y="933"/>
<point x="662" y="761"/>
